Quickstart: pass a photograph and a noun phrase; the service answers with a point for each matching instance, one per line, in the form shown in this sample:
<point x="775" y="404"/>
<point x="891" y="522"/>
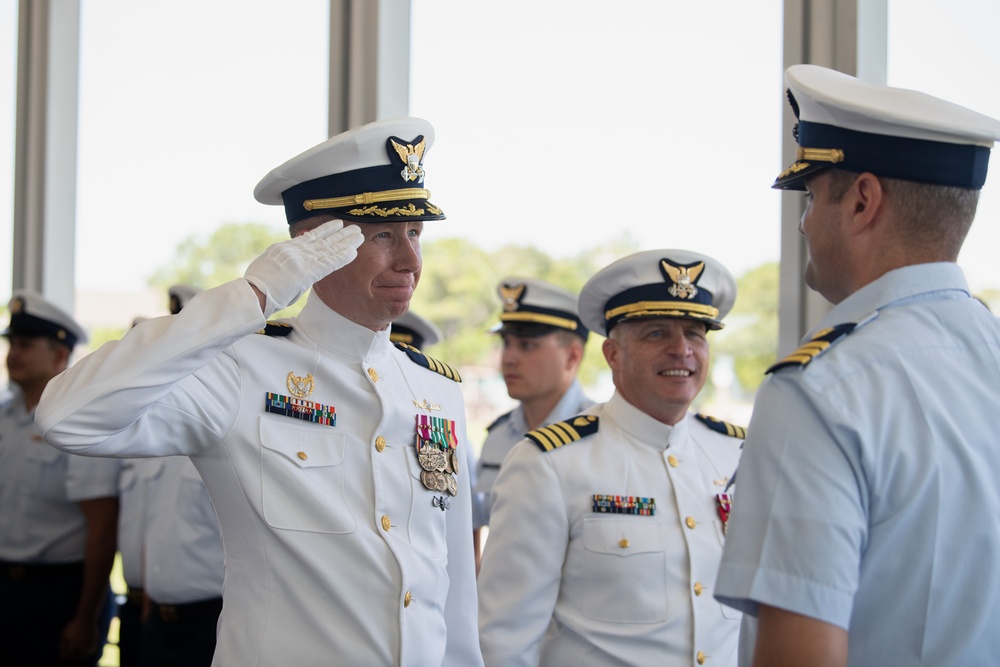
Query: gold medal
<point x="427" y="477"/>
<point x="452" y="486"/>
<point x="440" y="481"/>
<point x="454" y="461"/>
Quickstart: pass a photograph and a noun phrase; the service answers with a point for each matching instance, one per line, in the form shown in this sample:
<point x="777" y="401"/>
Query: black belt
<point x="176" y="613"/>
<point x="134" y="596"/>
<point x="39" y="571"/>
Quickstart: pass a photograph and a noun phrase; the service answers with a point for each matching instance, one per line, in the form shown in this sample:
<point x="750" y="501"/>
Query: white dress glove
<point x="287" y="269"/>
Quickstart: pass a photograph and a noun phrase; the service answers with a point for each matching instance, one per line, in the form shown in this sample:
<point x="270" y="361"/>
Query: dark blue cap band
<point x="919" y="160"/>
<point x="22" y="324"/>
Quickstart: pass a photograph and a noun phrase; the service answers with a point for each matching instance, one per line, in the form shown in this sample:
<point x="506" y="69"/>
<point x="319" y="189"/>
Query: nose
<point x="407" y="255"/>
<point x="676" y="345"/>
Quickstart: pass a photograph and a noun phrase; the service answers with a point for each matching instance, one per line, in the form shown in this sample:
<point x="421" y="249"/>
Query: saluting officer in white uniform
<point x="136" y="485"/>
<point x="328" y="452"/>
<point x="58" y="512"/>
<point x="608" y="527"/>
<point x="543" y="342"/>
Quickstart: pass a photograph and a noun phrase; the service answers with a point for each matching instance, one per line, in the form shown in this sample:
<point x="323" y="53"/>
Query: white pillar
<point x="369" y="61"/>
<point x="848" y="36"/>
<point x="45" y="149"/>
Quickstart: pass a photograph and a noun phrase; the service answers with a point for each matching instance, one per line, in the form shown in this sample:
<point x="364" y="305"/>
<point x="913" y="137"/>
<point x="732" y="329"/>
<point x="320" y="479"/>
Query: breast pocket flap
<point x="624" y="538"/>
<point x="303" y="446"/>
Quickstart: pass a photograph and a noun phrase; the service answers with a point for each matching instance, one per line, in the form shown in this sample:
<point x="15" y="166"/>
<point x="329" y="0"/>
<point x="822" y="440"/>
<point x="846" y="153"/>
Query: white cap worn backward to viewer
<point x="845" y="123"/>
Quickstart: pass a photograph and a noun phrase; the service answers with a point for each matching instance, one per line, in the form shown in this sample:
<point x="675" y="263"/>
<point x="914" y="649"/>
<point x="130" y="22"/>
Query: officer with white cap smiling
<point x="57" y="512"/>
<point x="868" y="519"/>
<point x="329" y="452"/>
<point x="607" y="528"/>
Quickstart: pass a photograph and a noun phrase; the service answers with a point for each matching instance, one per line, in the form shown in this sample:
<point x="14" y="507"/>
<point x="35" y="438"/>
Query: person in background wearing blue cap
<point x="868" y="524"/>
<point x="58" y="513"/>
<point x="543" y="342"/>
<point x="607" y="528"/>
<point x="328" y="452"/>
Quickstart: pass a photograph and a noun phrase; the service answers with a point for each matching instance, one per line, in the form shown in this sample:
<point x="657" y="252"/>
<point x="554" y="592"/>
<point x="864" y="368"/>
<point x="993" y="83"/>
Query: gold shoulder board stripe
<point x="556" y="435"/>
<point x="430" y="363"/>
<point x="815" y="347"/>
<point x="725" y="428"/>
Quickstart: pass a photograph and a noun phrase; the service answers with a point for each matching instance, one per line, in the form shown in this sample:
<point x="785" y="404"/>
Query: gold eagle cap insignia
<point x="411" y="155"/>
<point x="684" y="278"/>
<point x="300" y="387"/>
<point x="511" y="295"/>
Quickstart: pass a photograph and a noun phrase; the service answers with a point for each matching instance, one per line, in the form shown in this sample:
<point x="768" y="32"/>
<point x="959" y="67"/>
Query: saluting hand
<point x="287" y="269"/>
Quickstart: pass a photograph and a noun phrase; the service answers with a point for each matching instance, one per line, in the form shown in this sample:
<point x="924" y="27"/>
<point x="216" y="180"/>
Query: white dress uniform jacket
<point x="508" y="430"/>
<point x="184" y="561"/>
<point x="40" y="488"/>
<point x="562" y="584"/>
<point x="334" y="550"/>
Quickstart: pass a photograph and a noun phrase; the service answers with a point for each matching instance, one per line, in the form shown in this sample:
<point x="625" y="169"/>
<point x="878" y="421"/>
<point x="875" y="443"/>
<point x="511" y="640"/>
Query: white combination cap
<point x="31" y="315"/>
<point x="845" y="123"/>
<point x="373" y="173"/>
<point x="658" y="283"/>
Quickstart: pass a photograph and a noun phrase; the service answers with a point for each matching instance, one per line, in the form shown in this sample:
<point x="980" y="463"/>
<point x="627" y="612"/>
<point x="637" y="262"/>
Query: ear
<point x="611" y="353"/>
<point x="867" y="201"/>
<point x="575" y="356"/>
<point x="61" y="356"/>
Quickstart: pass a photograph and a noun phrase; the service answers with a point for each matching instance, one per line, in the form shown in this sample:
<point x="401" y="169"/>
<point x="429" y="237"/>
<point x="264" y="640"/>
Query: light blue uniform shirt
<point x="506" y="432"/>
<point x="40" y="488"/>
<point x="867" y="494"/>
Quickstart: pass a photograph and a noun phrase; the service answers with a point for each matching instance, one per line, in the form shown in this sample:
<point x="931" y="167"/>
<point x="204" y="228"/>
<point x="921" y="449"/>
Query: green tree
<point x="222" y="256"/>
<point x="751" y="333"/>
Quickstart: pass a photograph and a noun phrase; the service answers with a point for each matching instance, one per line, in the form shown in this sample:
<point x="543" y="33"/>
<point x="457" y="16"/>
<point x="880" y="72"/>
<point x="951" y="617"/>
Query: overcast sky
<point x="563" y="123"/>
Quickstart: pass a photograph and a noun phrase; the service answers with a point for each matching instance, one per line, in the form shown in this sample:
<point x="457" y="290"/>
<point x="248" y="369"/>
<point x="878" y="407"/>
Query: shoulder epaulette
<point x="816" y="346"/>
<point x="725" y="428"/>
<point x="274" y="328"/>
<point x="421" y="359"/>
<point x="499" y="420"/>
<point x="556" y="435"/>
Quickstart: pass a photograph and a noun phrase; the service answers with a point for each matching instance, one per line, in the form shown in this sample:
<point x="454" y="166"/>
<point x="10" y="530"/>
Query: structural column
<point x="46" y="146"/>
<point x="369" y="61"/>
<point x="848" y="36"/>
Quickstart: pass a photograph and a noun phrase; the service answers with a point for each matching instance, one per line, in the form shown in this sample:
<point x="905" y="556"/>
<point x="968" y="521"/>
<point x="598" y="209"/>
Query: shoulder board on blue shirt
<point x="279" y="329"/>
<point x="556" y="435"/>
<point x="421" y="359"/>
<point x="499" y="420"/>
<point x="819" y="344"/>
<point x="725" y="428"/>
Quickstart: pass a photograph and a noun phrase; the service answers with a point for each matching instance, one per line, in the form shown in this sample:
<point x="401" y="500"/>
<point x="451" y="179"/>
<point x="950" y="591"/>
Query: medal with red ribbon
<point x="724" y="501"/>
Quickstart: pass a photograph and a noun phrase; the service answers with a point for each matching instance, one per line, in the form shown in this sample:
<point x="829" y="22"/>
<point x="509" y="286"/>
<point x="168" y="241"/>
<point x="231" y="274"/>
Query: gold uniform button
<point x="379" y="444"/>
<point x="700" y="657"/>
<point x="672" y="460"/>
<point x="303" y="455"/>
<point x="623" y="543"/>
<point x="698" y="588"/>
<point x="689" y="522"/>
<point x="373" y="374"/>
<point x="386" y="524"/>
<point x="407" y="599"/>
